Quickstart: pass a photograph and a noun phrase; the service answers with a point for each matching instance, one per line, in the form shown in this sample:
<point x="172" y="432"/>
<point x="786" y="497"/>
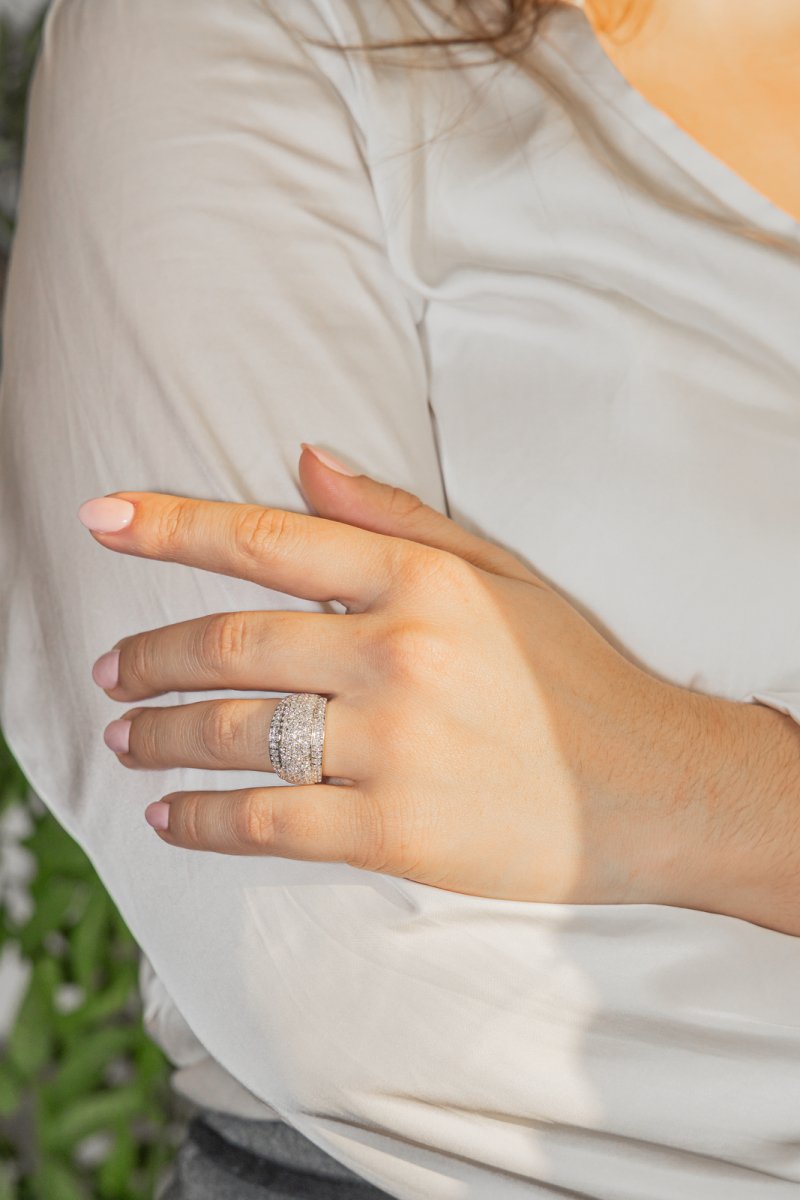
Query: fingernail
<point x="117" y="736"/>
<point x="106" y="514"/>
<point x="157" y="815"/>
<point x="328" y="459"/>
<point x="105" y="671"/>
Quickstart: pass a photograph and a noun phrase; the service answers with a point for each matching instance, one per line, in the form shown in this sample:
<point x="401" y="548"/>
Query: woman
<point x="542" y="939"/>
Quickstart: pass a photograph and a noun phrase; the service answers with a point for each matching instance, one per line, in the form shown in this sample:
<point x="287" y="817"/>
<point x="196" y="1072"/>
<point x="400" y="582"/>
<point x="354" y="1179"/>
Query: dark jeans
<point x="223" y="1157"/>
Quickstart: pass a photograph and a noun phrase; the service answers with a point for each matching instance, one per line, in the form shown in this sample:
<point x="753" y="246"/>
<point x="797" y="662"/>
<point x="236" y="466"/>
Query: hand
<point x="494" y="743"/>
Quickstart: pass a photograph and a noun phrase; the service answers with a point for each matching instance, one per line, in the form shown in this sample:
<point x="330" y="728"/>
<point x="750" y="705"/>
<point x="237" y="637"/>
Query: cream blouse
<point x="522" y="292"/>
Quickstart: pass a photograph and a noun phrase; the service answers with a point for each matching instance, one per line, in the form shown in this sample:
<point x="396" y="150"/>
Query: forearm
<point x="739" y="785"/>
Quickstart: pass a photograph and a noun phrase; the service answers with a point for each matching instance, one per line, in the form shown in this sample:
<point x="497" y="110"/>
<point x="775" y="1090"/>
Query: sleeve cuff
<point x="787" y="702"/>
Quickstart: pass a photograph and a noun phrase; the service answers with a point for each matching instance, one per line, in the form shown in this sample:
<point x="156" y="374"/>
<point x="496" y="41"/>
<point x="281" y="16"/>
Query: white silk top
<point x="522" y="292"/>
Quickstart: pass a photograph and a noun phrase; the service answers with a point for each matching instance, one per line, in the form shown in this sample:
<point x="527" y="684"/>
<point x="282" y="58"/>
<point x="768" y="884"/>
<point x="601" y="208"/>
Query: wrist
<point x="738" y="818"/>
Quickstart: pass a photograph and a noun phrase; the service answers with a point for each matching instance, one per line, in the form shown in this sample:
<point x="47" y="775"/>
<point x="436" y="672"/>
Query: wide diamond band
<point x="296" y="735"/>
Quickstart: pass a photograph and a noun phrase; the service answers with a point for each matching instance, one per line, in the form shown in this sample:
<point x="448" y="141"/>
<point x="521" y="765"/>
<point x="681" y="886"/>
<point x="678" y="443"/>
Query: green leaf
<point x="7" y="1189"/>
<point x="113" y="1177"/>
<point x="89" y="1115"/>
<point x="81" y="1068"/>
<point x="49" y="914"/>
<point x="11" y="776"/>
<point x="57" y="1181"/>
<point x="120" y="992"/>
<point x="152" y="1065"/>
<point x="89" y="939"/>
<point x="31" y="1039"/>
<point x="9" y="793"/>
<point x="55" y="850"/>
<point x="10" y="1090"/>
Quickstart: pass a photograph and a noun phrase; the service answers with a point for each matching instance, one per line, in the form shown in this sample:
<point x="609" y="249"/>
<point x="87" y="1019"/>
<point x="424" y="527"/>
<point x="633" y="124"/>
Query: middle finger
<point x="273" y="651"/>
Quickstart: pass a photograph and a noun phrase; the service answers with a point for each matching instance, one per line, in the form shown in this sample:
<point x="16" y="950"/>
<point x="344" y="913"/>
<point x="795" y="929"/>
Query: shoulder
<point x="147" y="53"/>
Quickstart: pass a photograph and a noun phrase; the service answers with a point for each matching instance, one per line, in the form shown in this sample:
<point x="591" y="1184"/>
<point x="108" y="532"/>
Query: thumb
<point x="339" y="494"/>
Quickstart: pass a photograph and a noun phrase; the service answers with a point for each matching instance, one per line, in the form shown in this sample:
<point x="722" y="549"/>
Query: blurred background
<point x="85" y="1107"/>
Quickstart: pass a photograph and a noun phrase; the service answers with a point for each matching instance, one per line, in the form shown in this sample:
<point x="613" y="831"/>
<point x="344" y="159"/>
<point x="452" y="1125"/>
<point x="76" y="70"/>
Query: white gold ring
<point x="296" y="737"/>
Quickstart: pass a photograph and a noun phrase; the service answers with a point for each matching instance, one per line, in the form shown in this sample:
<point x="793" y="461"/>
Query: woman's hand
<point x="494" y="742"/>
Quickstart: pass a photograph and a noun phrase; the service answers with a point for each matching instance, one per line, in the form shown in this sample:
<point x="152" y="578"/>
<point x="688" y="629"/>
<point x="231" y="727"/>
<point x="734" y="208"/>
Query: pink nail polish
<point x="328" y="459"/>
<point x="117" y="736"/>
<point x="106" y="514"/>
<point x="157" y="815"/>
<point x="105" y="671"/>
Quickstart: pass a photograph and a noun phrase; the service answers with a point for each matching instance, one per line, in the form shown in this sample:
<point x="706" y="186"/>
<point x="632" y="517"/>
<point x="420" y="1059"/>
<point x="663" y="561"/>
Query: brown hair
<point x="505" y="27"/>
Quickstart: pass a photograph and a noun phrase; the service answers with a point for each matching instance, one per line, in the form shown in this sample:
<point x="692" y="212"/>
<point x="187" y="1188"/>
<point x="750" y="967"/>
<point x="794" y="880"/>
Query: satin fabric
<point x="525" y="294"/>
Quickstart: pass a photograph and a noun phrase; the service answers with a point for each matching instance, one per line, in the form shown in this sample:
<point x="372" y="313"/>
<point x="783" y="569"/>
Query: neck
<point x="735" y="40"/>
<point x="762" y="24"/>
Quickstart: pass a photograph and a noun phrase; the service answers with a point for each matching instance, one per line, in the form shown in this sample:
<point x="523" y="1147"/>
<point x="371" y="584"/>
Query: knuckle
<point x="135" y="664"/>
<point x="404" y="505"/>
<point x="145" y="739"/>
<point x="449" y="573"/>
<point x="188" y="813"/>
<point x="260" y="531"/>
<point x="423" y="567"/>
<point x="172" y="524"/>
<point x="413" y="650"/>
<point x="458" y="573"/>
<point x="219" y="730"/>
<point x="253" y="822"/>
<point x="290" y="827"/>
<point x="222" y="640"/>
<point x="388" y="837"/>
<point x="369" y="839"/>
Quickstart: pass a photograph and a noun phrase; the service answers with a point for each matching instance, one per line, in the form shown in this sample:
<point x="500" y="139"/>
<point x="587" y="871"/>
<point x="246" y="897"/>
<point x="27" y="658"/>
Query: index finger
<point x="311" y="557"/>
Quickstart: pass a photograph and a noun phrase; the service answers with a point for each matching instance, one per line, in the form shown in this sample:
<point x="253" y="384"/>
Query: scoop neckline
<point x="575" y="42"/>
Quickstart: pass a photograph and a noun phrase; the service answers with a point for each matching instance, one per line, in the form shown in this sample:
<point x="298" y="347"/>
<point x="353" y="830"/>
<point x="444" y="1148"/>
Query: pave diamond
<point x="296" y="736"/>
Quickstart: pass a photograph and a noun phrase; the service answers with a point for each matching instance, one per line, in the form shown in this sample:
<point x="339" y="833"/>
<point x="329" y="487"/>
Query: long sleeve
<point x="198" y="281"/>
<point x="786" y="701"/>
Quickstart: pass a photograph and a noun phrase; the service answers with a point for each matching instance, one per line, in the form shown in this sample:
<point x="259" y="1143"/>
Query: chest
<point x="613" y="375"/>
<point x="742" y="108"/>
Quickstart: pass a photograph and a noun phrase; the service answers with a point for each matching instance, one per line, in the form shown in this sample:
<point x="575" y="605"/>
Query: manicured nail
<point x="106" y="514"/>
<point x="105" y="671"/>
<point x="157" y="815"/>
<point x="328" y="459"/>
<point x="117" y="736"/>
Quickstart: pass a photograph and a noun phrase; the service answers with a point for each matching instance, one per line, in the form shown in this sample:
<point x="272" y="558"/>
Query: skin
<point x="737" y="88"/>
<point x="492" y="741"/>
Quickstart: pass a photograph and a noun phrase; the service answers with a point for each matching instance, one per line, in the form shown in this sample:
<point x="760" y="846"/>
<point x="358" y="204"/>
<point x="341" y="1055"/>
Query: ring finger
<point x="226" y="735"/>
